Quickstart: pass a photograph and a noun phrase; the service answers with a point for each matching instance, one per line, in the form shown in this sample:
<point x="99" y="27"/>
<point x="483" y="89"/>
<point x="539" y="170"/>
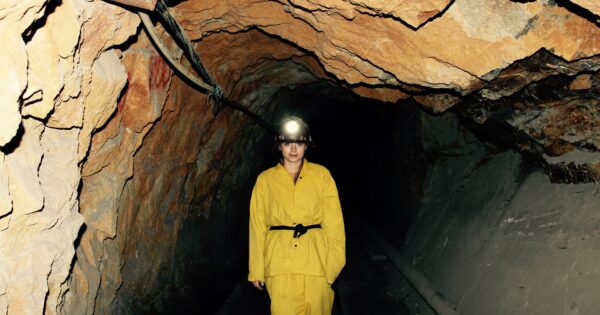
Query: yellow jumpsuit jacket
<point x="276" y="200"/>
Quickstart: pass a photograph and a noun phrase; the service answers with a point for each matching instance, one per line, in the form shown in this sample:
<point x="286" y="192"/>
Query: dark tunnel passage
<point x="373" y="152"/>
<point x="376" y="154"/>
<point x="366" y="145"/>
<point x="426" y="182"/>
<point x="432" y="188"/>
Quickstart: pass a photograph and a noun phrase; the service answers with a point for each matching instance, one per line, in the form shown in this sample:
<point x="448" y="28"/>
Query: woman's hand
<point x="258" y="284"/>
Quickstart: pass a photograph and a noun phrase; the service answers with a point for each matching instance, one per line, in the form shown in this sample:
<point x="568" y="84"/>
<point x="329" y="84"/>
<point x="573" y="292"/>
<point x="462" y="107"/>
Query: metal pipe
<point x="437" y="303"/>
<point x="140" y="4"/>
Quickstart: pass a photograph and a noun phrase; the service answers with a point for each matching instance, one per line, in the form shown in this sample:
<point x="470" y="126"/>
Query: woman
<point x="297" y="240"/>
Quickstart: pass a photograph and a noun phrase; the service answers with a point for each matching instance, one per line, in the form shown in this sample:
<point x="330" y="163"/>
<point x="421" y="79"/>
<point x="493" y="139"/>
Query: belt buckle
<point x="299" y="230"/>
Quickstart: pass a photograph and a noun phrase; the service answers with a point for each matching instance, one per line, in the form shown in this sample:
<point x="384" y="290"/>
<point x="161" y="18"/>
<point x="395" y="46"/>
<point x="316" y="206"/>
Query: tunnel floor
<point x="369" y="284"/>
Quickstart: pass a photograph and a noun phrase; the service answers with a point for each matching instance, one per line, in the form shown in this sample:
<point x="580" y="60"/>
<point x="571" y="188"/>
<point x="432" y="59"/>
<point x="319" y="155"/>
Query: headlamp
<point x="293" y="129"/>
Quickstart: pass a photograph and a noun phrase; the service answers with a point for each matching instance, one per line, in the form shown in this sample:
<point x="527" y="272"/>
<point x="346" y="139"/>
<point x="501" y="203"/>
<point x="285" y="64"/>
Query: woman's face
<point x="293" y="152"/>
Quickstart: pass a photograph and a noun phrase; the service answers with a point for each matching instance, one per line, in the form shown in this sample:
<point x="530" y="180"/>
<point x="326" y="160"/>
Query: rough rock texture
<point x="552" y="115"/>
<point x="205" y="172"/>
<point x="60" y="84"/>
<point x="109" y="166"/>
<point x="498" y="229"/>
<point x="459" y="50"/>
<point x="462" y="53"/>
<point x="163" y="178"/>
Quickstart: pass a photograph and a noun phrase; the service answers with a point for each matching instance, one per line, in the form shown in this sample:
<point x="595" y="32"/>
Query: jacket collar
<point x="306" y="168"/>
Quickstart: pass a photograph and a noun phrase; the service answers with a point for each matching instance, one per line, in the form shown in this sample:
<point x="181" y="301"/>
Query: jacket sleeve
<point x="333" y="226"/>
<point x="258" y="230"/>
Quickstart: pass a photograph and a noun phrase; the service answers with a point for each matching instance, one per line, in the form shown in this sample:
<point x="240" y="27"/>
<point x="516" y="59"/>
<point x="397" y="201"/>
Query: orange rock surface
<point x="458" y="49"/>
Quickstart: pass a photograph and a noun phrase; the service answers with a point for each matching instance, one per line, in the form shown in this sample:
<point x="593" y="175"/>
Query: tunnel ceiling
<point x="454" y="45"/>
<point x="493" y="58"/>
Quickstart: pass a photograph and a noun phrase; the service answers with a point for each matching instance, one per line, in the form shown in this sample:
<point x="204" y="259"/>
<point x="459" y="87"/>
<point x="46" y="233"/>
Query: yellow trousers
<point x="299" y="295"/>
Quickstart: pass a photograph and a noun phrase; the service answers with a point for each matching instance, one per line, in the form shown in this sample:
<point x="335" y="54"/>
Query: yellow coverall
<point x="298" y="271"/>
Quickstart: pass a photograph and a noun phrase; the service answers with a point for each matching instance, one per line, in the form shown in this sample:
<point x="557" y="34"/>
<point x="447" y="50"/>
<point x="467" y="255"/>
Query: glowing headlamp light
<point x="292" y="127"/>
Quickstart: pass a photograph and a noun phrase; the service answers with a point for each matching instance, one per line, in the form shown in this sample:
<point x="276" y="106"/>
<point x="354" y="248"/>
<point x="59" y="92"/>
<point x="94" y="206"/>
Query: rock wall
<point x="495" y="236"/>
<point x="96" y="275"/>
<point x="62" y="77"/>
<point x="162" y="187"/>
<point x="551" y="116"/>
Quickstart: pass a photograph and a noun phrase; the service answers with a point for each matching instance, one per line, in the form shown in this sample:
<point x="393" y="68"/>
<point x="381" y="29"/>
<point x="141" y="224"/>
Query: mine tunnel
<point x="463" y="137"/>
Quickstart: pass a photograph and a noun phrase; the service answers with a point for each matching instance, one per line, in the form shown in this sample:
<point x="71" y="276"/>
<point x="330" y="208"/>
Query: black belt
<point x="298" y="229"/>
